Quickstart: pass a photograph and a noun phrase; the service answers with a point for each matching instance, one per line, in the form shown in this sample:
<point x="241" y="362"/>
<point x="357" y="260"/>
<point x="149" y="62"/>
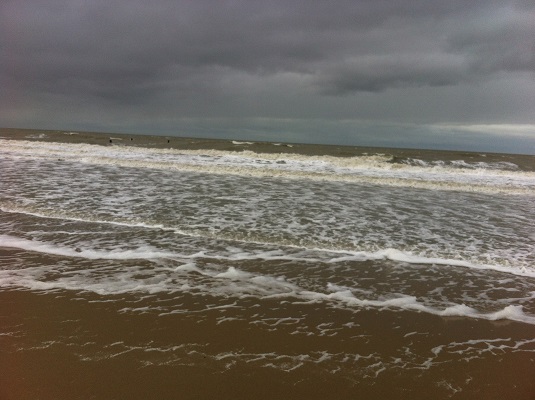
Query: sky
<point x="452" y="74"/>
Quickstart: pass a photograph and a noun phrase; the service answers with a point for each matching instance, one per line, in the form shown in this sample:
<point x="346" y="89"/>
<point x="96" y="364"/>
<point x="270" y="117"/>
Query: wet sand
<point x="85" y="347"/>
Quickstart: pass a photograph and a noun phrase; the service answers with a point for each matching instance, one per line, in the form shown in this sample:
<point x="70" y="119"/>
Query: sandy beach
<point x="89" y="348"/>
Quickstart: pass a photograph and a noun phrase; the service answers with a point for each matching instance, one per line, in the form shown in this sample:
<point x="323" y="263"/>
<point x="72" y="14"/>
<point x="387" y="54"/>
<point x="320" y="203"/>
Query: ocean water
<point x="133" y="271"/>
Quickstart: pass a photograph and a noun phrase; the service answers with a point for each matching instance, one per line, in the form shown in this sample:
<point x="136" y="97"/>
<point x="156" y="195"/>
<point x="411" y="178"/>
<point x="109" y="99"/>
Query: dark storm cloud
<point x="126" y="49"/>
<point x="377" y="73"/>
<point x="504" y="46"/>
<point x="439" y="50"/>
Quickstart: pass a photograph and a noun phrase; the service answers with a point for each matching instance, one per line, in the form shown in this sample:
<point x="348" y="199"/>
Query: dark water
<point x="234" y="270"/>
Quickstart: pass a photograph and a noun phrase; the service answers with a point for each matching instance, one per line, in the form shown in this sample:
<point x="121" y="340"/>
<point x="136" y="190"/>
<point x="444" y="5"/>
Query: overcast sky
<point x="456" y="74"/>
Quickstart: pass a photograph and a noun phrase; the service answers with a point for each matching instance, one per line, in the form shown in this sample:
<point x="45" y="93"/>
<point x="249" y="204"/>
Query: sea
<point x="135" y="267"/>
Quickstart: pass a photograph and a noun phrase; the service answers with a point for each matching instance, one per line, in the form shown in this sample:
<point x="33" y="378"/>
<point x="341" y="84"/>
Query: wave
<point x="290" y="252"/>
<point x="240" y="143"/>
<point x="145" y="252"/>
<point x="233" y="282"/>
<point x="410" y="303"/>
<point x="380" y="169"/>
<point x="457" y="164"/>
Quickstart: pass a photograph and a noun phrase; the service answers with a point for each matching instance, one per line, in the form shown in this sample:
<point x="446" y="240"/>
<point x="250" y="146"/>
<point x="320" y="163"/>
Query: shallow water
<point x="137" y="271"/>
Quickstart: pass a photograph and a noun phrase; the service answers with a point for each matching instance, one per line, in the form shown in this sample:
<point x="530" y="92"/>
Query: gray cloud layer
<point x="277" y="59"/>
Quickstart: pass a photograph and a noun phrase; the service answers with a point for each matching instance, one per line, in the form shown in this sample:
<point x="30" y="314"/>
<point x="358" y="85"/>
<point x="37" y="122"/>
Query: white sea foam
<point x="304" y="255"/>
<point x="408" y="257"/>
<point x="461" y="164"/>
<point x="145" y="252"/>
<point x="514" y="261"/>
<point x="357" y="365"/>
<point x="234" y="274"/>
<point x="232" y="281"/>
<point x="477" y="348"/>
<point x="376" y="169"/>
<point x="240" y="143"/>
<point x="410" y="303"/>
